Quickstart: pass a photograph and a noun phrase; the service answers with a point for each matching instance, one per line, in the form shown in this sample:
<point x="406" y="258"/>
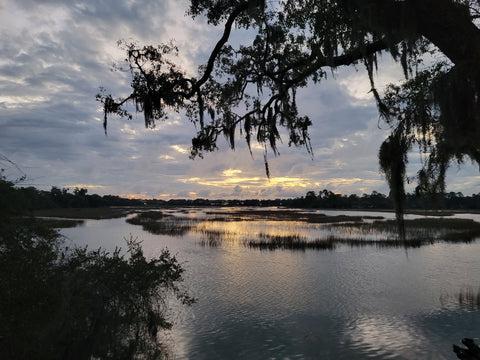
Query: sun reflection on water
<point x="274" y="229"/>
<point x="238" y="232"/>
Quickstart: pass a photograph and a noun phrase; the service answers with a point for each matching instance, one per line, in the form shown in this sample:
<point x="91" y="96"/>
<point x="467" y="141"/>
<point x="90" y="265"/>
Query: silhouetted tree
<point x="253" y="87"/>
<point x="310" y="198"/>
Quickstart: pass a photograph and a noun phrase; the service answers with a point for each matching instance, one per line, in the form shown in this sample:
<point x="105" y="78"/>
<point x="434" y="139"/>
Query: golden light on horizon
<point x="231" y="172"/>
<point x="141" y="196"/>
<point x="245" y="182"/>
<point x="85" y="186"/>
<point x="346" y="182"/>
<point x="242" y="182"/>
<point x="239" y="231"/>
<point x="290" y="182"/>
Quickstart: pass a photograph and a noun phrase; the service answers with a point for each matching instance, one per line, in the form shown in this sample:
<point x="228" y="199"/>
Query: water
<point x="347" y="303"/>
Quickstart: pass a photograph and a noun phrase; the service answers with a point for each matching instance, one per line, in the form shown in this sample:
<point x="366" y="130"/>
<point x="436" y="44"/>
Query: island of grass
<point x="341" y="229"/>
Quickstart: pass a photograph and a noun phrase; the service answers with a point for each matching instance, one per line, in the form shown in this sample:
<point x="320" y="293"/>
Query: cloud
<point x="55" y="54"/>
<point x="180" y="149"/>
<point x="85" y="186"/>
<point x="237" y="190"/>
<point x="231" y="172"/>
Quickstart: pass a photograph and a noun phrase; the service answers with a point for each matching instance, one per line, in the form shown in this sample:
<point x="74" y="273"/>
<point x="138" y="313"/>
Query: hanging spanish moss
<point x="393" y="160"/>
<point x="251" y="89"/>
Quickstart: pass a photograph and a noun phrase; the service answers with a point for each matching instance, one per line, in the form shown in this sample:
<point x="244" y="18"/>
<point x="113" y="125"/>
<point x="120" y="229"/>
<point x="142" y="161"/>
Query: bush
<point x="60" y="303"/>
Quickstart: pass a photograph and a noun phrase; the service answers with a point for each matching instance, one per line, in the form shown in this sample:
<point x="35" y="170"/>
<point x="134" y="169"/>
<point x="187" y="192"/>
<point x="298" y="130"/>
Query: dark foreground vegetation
<point x="471" y="351"/>
<point x="61" y="303"/>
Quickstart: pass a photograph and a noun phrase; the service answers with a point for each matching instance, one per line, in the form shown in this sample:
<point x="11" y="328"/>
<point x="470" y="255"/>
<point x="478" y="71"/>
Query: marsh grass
<point x="356" y="232"/>
<point x="418" y="231"/>
<point x="383" y="243"/>
<point x="295" y="242"/>
<point x="212" y="238"/>
<point x="295" y="230"/>
<point x="290" y="215"/>
<point x="159" y="223"/>
<point x="289" y="242"/>
<point x="465" y="298"/>
<point x="468" y="298"/>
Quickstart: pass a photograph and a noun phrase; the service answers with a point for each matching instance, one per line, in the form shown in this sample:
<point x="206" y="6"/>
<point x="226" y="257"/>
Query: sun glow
<point x="231" y="172"/>
<point x="179" y="149"/>
<point x="247" y="182"/>
<point x="142" y="195"/>
<point x="84" y="186"/>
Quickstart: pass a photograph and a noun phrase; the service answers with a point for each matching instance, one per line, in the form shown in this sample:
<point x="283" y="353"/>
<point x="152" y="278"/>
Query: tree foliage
<point x="252" y="89"/>
<point x="61" y="303"/>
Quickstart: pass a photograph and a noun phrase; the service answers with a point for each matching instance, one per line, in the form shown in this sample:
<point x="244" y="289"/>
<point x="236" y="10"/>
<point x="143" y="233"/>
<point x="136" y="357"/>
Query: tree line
<point x="330" y="200"/>
<point x="34" y="199"/>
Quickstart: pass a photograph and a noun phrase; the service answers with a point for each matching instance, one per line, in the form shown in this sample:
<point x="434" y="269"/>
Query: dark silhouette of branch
<point x="472" y="352"/>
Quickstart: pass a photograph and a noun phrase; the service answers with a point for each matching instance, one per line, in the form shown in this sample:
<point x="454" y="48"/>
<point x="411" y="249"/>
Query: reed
<point x="330" y="243"/>
<point x="288" y="242"/>
<point x="339" y="230"/>
<point x="423" y="231"/>
<point x="465" y="298"/>
<point x="212" y="238"/>
<point x="381" y="243"/>
<point x="158" y="223"/>
<point x="468" y="298"/>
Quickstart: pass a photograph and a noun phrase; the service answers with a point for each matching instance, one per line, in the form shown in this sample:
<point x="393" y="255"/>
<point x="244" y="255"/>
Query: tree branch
<point x="218" y="47"/>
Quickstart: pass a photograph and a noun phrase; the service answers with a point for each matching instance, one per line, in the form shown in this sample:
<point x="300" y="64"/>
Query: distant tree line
<point x="65" y="198"/>
<point x="328" y="200"/>
<point x="34" y="199"/>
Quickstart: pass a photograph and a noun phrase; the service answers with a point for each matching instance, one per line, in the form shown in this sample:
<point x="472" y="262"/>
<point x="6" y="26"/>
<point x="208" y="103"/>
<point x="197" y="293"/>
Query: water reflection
<point x="352" y="302"/>
<point x="467" y="298"/>
<point x="300" y="230"/>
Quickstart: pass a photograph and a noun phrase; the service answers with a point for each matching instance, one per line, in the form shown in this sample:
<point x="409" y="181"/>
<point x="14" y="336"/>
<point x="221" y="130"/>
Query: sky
<point x="54" y="56"/>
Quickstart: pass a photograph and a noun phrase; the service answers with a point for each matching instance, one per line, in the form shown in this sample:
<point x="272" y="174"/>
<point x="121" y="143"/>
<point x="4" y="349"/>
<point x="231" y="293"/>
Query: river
<point x="350" y="302"/>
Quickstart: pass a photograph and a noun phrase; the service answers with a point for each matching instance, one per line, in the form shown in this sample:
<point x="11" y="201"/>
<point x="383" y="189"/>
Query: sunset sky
<point x="55" y="54"/>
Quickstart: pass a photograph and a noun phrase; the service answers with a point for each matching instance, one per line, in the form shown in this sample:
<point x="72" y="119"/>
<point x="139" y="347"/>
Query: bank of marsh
<point x="300" y="230"/>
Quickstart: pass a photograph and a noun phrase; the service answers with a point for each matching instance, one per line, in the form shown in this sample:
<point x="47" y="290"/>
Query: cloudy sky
<point x="55" y="54"/>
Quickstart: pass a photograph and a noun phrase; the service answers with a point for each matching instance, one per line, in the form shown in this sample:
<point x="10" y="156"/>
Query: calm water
<point x="347" y="303"/>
